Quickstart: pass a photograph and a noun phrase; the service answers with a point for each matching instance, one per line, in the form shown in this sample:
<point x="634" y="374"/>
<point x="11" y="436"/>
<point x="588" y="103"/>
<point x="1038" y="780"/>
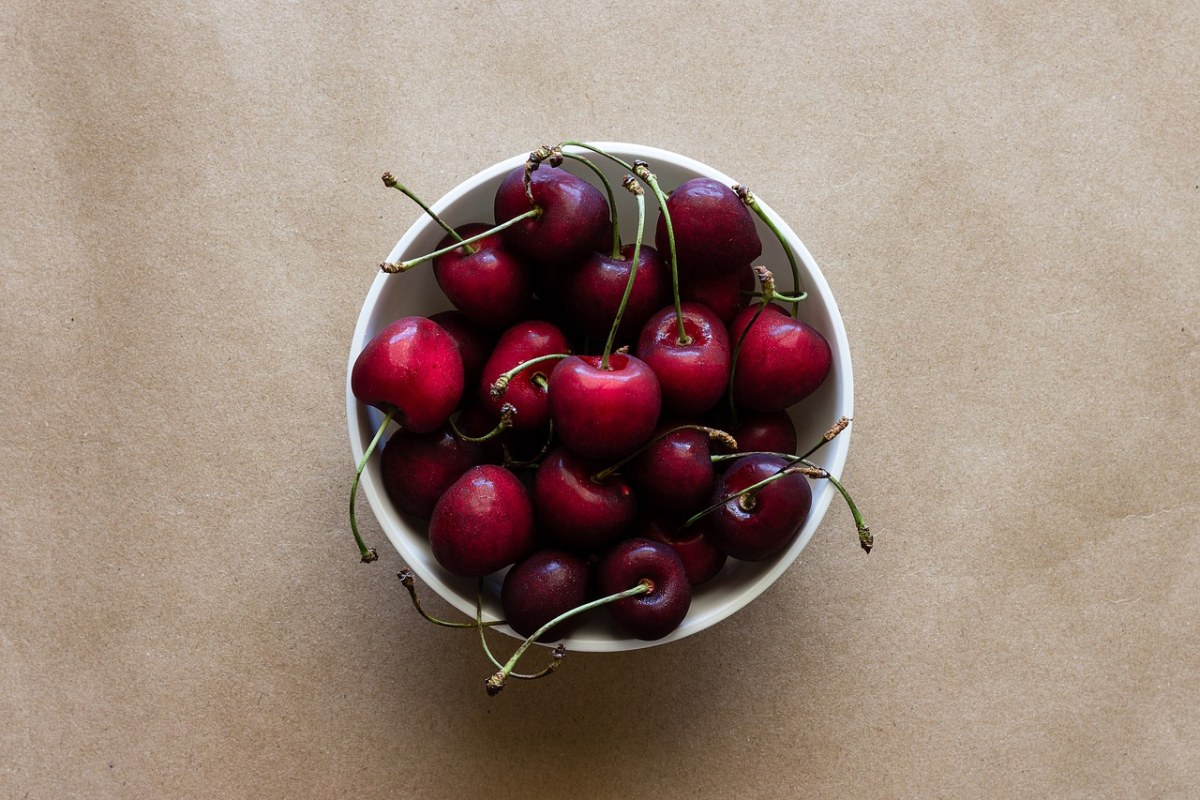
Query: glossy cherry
<point x="661" y="610"/>
<point x="714" y="231"/>
<point x="781" y="360"/>
<point x="574" y="214"/>
<point x="768" y="431"/>
<point x="487" y="282"/>
<point x="414" y="366"/>
<point x="418" y="468"/>
<point x="542" y="586"/>
<point x="761" y="524"/>
<point x="527" y="390"/>
<point x="692" y="375"/>
<point x="702" y="560"/>
<point x="604" y="414"/>
<point x="674" y="473"/>
<point x="482" y="523"/>
<point x="593" y="290"/>
<point x="575" y="511"/>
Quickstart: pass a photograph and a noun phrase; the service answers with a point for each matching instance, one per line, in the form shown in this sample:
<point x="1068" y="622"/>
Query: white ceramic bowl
<point x="416" y="293"/>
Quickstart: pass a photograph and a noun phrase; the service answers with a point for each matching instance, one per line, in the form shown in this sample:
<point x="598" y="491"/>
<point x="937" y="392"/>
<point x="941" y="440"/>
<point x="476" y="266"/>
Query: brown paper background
<point x="1004" y="198"/>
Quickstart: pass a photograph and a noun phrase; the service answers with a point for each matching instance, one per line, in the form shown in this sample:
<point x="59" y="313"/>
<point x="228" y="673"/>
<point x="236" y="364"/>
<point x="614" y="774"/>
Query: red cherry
<point x="418" y="468"/>
<point x="759" y="525"/>
<point x="714" y="231"/>
<point x="692" y="376"/>
<point x="725" y="293"/>
<point x="491" y="286"/>
<point x="483" y="522"/>
<point x="782" y="360"/>
<point x="574" y="214"/>
<point x="770" y="432"/>
<point x="414" y="366"/>
<point x="702" y="560"/>
<point x="575" y="511"/>
<point x="675" y="474"/>
<point x="518" y="344"/>
<point x="594" y="289"/>
<point x="538" y="589"/>
<point x="655" y="614"/>
<point x="474" y="345"/>
<point x="604" y="414"/>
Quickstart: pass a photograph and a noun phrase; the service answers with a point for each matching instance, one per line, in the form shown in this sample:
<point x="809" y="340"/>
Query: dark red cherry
<point x="418" y="468"/>
<point x="702" y="560"/>
<point x="518" y="344"/>
<point x="540" y="588"/>
<point x="725" y="293"/>
<point x="594" y="288"/>
<point x="574" y="511"/>
<point x="781" y="361"/>
<point x="674" y="474"/>
<point x="492" y="286"/>
<point x="574" y="214"/>
<point x="482" y="523"/>
<point x="604" y="414"/>
<point x="714" y="231"/>
<point x="768" y="431"/>
<point x="693" y="376"/>
<point x="414" y="366"/>
<point x="655" y="614"/>
<point x="759" y="525"/>
<point x="474" y="345"/>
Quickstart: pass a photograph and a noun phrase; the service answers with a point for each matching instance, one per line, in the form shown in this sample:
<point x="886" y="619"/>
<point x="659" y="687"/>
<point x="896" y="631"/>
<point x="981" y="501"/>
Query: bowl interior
<point x="416" y="293"/>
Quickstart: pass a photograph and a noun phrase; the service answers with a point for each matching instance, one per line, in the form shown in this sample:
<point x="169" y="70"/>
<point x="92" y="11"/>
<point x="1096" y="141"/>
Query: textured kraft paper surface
<point x="1004" y="198"/>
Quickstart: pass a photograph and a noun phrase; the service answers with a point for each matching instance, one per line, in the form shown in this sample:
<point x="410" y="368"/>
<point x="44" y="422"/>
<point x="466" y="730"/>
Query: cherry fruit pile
<point x="604" y="418"/>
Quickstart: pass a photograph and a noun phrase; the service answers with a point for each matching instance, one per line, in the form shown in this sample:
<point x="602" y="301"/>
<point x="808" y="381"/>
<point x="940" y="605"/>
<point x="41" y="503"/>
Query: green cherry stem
<point x="500" y="385"/>
<point x="793" y="469"/>
<point x="507" y="412"/>
<point x="829" y="435"/>
<point x="405" y="266"/>
<point x="713" y="433"/>
<point x="496" y="682"/>
<point x="409" y="582"/>
<point x="368" y="553"/>
<point x="389" y="180"/>
<point x="556" y="654"/>
<point x="865" y="539"/>
<point x="612" y="199"/>
<point x="636" y="189"/>
<point x="750" y="200"/>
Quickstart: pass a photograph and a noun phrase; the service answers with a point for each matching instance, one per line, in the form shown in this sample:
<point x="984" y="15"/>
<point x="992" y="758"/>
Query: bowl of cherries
<point x="599" y="399"/>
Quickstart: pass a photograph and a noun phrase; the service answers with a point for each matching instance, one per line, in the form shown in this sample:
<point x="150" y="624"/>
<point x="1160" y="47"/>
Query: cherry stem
<point x="409" y="583"/>
<point x="733" y="360"/>
<point x="636" y="189"/>
<point x="829" y="435"/>
<point x="713" y="433"/>
<point x="810" y="470"/>
<point x="865" y="539"/>
<point x="389" y="180"/>
<point x="551" y="155"/>
<point x="787" y="298"/>
<point x="368" y="553"/>
<point x="507" y="412"/>
<point x="798" y="290"/>
<point x="642" y="170"/>
<point x="405" y="266"/>
<point x="500" y="385"/>
<point x="496" y="682"/>
<point x="556" y="655"/>
<point x="612" y="200"/>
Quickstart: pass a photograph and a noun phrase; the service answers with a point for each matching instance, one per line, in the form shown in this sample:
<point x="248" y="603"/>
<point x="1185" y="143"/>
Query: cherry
<point x="574" y="214"/>
<point x="604" y="412"/>
<point x="692" y="374"/>
<point x="674" y="473"/>
<point x="482" y="523"/>
<point x="725" y="293"/>
<point x="541" y="587"/>
<point x="474" y="345"/>
<point x="418" y="468"/>
<point x="527" y="389"/>
<point x="576" y="511"/>
<point x="413" y="366"/>
<point x="594" y="289"/>
<point x="780" y="361"/>
<point x="769" y="431"/>
<point x="714" y="231"/>
<point x="660" y="610"/>
<point x="702" y="560"/>
<point x="489" y="284"/>
<point x="754" y="524"/>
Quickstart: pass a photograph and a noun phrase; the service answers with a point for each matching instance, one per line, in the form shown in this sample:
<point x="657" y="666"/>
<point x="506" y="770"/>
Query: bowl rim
<point x="834" y="454"/>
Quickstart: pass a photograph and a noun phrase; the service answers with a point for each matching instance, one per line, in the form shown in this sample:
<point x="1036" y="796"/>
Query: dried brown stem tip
<point x="499" y="387"/>
<point x="642" y="169"/>
<point x="390" y="268"/>
<point x="723" y="437"/>
<point x="837" y="428"/>
<point x="370" y="556"/>
<point x="494" y="684"/>
<point x="743" y="193"/>
<point x="389" y="180"/>
<point x="766" y="279"/>
<point x="630" y="183"/>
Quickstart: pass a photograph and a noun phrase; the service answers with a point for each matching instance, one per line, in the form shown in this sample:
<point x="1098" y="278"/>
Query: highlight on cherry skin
<point x="601" y="424"/>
